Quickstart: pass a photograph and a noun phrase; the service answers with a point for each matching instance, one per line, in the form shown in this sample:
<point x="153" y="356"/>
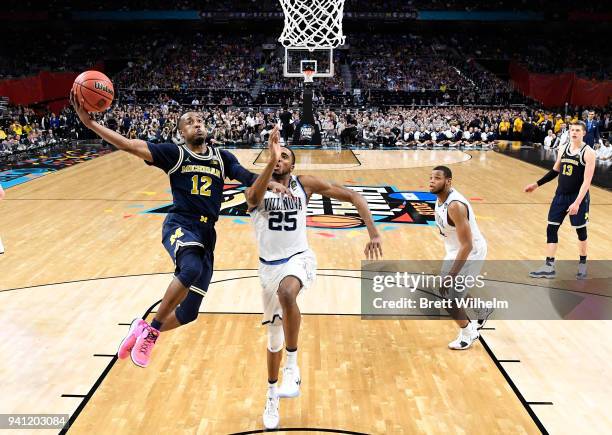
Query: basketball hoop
<point x="308" y="75"/>
<point x="312" y="25"/>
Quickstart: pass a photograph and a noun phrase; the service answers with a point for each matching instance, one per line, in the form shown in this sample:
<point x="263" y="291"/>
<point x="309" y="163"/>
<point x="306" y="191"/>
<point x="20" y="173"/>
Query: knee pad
<point x="276" y="338"/>
<point x="189" y="263"/>
<point x="582" y="233"/>
<point x="551" y="233"/>
<point x="188" y="310"/>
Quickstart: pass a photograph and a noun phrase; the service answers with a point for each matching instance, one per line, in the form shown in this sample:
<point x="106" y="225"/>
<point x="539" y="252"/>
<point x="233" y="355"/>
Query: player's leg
<point x="288" y="290"/>
<point x="272" y="320"/>
<point x="1" y="247"/>
<point x="556" y="214"/>
<point x="468" y="331"/>
<point x="579" y="222"/>
<point x="298" y="274"/>
<point x="189" y="308"/>
<point x="271" y="415"/>
<point x="189" y="268"/>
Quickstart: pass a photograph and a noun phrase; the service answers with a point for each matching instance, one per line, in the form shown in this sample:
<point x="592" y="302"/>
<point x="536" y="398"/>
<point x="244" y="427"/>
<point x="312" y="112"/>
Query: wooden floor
<point x="81" y="259"/>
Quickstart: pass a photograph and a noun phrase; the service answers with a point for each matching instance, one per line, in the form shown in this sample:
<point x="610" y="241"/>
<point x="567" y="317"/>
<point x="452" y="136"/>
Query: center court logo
<point x="387" y="204"/>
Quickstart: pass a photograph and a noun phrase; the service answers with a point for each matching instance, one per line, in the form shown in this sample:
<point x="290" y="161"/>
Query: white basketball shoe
<point x="467" y="336"/>
<point x="271" y="417"/>
<point x="290" y="386"/>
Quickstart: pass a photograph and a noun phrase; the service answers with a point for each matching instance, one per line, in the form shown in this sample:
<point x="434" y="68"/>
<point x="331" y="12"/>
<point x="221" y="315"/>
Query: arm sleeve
<point x="235" y="171"/>
<point x="550" y="175"/>
<point x="165" y="155"/>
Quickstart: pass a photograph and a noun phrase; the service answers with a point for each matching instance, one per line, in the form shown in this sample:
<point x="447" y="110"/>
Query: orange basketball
<point x="95" y="89"/>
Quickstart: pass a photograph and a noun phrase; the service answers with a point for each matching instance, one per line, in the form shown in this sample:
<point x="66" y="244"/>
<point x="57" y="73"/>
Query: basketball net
<point x="308" y="75"/>
<point x="312" y="24"/>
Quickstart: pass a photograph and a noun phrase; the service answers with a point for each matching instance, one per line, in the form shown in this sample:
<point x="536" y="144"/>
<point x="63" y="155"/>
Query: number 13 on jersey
<point x="567" y="169"/>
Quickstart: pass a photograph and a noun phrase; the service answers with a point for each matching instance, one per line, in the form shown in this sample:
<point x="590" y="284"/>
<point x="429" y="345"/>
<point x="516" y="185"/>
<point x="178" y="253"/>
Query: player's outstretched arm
<point x="550" y="175"/>
<point x="373" y="249"/>
<point x="255" y="193"/>
<point x="133" y="146"/>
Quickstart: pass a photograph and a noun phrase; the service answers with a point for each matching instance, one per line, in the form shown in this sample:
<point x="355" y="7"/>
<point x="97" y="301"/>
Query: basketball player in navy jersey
<point x="287" y="265"/>
<point x="575" y="166"/>
<point x="197" y="174"/>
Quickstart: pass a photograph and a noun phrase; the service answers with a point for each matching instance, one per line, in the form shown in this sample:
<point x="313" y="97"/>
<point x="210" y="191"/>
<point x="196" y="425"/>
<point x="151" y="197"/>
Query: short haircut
<point x="581" y="124"/>
<point x="445" y="170"/>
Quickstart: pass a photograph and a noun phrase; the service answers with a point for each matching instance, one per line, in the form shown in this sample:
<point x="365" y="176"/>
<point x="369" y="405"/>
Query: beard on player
<point x="199" y="140"/>
<point x="281" y="171"/>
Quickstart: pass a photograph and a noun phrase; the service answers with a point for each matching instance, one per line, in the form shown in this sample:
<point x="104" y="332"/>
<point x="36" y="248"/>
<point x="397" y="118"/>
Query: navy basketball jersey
<point x="197" y="180"/>
<point x="571" y="175"/>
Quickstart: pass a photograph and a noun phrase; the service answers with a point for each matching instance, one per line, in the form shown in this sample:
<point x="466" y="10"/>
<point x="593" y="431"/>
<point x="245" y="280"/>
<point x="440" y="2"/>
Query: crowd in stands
<point x="21" y="130"/>
<point x="24" y="130"/>
<point x="541" y="53"/>
<point x="409" y="63"/>
<point x="203" y="61"/>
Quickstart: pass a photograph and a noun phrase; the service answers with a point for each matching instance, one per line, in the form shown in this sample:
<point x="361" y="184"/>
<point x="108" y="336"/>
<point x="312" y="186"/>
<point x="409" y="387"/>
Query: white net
<point x="312" y="24"/>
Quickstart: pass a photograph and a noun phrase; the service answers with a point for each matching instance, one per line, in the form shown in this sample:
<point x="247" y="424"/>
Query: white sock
<point x="1" y="247"/>
<point x="291" y="358"/>
<point x="272" y="391"/>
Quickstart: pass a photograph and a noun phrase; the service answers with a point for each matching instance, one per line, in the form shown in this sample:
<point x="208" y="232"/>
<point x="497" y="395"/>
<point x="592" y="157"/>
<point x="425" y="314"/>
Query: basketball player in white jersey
<point x="286" y="262"/>
<point x="465" y="246"/>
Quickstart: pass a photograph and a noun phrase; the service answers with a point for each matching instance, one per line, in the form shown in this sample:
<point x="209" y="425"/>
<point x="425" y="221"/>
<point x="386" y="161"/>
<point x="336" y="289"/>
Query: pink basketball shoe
<point x="141" y="352"/>
<point x="136" y="328"/>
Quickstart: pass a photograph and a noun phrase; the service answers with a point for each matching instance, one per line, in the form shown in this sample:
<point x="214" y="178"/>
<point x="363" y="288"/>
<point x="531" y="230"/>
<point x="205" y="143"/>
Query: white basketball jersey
<point x="449" y="232"/>
<point x="280" y="223"/>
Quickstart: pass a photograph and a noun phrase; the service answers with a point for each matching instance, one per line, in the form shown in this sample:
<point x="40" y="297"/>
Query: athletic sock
<point x="550" y="261"/>
<point x="157" y="325"/>
<point x="291" y="357"/>
<point x="272" y="390"/>
<point x="583" y="259"/>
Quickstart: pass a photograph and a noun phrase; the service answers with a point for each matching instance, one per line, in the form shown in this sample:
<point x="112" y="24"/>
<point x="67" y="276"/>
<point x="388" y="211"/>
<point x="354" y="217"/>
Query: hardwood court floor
<point x="382" y="376"/>
<point x="86" y="223"/>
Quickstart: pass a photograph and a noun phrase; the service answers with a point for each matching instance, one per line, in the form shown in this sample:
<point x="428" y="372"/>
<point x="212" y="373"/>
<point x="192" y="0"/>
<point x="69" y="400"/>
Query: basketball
<point x="95" y="89"/>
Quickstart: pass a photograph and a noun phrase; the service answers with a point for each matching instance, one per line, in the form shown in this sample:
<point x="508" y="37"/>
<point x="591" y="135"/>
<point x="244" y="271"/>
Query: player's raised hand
<point x="274" y="144"/>
<point x="374" y="248"/>
<point x="80" y="110"/>
<point x="530" y="187"/>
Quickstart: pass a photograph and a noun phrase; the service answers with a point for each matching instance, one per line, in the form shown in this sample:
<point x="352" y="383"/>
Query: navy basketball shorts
<point x="559" y="206"/>
<point x="180" y="232"/>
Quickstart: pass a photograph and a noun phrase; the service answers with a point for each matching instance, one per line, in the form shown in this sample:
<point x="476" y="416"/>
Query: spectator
<point x="548" y="140"/>
<point x="592" y="129"/>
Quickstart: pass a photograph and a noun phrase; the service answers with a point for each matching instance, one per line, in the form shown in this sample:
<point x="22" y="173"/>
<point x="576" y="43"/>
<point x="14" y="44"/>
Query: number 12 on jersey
<point x="204" y="189"/>
<point x="282" y="221"/>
